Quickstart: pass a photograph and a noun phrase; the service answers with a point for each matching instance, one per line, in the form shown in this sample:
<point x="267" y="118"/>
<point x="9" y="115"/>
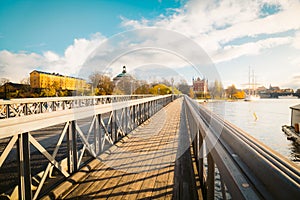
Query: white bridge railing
<point x="246" y="168"/>
<point x="57" y="144"/>
<point x="30" y="106"/>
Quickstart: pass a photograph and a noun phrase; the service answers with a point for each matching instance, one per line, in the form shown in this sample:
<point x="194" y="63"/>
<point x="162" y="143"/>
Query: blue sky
<point x="60" y="35"/>
<point x="38" y="26"/>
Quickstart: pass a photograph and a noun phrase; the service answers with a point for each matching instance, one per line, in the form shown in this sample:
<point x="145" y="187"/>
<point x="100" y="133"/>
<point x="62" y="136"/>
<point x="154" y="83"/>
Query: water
<point x="263" y="120"/>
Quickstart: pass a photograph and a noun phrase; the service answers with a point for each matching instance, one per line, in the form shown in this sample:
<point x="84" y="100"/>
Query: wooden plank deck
<point x="144" y="165"/>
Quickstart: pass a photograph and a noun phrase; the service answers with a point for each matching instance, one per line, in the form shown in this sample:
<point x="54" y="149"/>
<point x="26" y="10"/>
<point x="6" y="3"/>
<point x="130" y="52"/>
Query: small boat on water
<point x="253" y="97"/>
<point x="287" y="97"/>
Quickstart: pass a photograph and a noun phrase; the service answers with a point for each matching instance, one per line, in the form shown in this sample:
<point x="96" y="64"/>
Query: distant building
<point x="124" y="83"/>
<point x="123" y="75"/>
<point x="14" y="89"/>
<point x="261" y="89"/>
<point x="287" y="90"/>
<point x="274" y="88"/>
<point x="39" y="79"/>
<point x="200" y="85"/>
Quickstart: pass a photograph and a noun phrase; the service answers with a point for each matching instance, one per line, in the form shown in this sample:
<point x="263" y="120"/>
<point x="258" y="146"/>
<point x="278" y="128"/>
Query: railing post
<point x="24" y="167"/>
<point x="147" y="110"/>
<point x="138" y="114"/>
<point x="133" y="115"/>
<point x="142" y="110"/>
<point x="100" y="133"/>
<point x="41" y="107"/>
<point x="72" y="148"/>
<point x="114" y="124"/>
<point x="200" y="157"/>
<point x="25" y="109"/>
<point x="150" y="108"/>
<point x="7" y="111"/>
<point x="96" y="138"/>
<point x="126" y="120"/>
<point x="210" y="177"/>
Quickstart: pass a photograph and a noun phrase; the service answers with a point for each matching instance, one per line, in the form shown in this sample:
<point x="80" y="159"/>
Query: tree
<point x="142" y="87"/>
<point x="3" y="81"/>
<point x="95" y="78"/>
<point x="216" y="91"/>
<point x="191" y="93"/>
<point x="48" y="92"/>
<point x="240" y="94"/>
<point x="102" y="84"/>
<point x="183" y="87"/>
<point x="160" y="89"/>
<point x="230" y="91"/>
<point x="105" y="86"/>
<point x="25" y="81"/>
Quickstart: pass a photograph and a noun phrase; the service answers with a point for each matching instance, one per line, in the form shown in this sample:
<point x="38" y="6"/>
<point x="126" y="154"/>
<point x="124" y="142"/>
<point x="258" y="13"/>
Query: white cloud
<point x="69" y="64"/>
<point x="51" y="56"/>
<point x="213" y="24"/>
<point x="296" y="40"/>
<point x="17" y="66"/>
<point x="293" y="82"/>
<point x="251" y="48"/>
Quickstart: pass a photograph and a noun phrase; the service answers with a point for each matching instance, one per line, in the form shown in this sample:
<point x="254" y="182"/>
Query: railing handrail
<point x="13" y="126"/>
<point x="31" y="106"/>
<point x="50" y="99"/>
<point x="269" y="174"/>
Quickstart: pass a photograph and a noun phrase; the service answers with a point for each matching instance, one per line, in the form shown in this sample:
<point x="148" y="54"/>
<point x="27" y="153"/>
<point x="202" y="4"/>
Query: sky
<point x="62" y="36"/>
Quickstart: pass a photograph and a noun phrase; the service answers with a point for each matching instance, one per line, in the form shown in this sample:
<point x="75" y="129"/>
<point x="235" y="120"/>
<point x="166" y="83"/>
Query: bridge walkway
<point x="149" y="163"/>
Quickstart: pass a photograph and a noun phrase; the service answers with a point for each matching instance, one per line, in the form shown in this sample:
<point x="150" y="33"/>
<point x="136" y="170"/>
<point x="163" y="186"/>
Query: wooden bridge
<point x="163" y="147"/>
<point x="142" y="165"/>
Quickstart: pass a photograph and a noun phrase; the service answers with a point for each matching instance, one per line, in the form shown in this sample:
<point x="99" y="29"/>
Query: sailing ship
<point x="251" y="94"/>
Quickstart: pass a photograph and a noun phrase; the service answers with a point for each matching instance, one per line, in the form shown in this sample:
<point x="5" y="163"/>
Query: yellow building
<point x="39" y="79"/>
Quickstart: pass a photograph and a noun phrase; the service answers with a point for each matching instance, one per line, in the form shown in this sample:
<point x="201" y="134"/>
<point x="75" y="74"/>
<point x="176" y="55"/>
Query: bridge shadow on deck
<point x="150" y="163"/>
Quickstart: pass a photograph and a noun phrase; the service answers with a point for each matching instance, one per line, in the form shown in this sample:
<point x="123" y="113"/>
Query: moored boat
<point x="252" y="97"/>
<point x="287" y="97"/>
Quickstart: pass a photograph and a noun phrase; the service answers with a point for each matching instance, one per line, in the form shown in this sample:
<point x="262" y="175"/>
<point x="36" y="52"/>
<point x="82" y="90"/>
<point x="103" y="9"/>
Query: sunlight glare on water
<point x="263" y="120"/>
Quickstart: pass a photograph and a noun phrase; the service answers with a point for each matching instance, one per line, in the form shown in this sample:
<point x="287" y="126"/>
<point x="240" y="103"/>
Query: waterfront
<point x="263" y="120"/>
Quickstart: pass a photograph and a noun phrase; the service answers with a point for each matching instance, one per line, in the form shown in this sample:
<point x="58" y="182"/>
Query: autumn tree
<point x="105" y="86"/>
<point x="48" y="92"/>
<point x="230" y="91"/>
<point x="95" y="78"/>
<point x="142" y="87"/>
<point x="191" y="93"/>
<point x="239" y="94"/>
<point x="102" y="83"/>
<point x="160" y="89"/>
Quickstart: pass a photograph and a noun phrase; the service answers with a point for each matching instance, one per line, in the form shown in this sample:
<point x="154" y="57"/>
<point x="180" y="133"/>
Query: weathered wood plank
<point x="140" y="167"/>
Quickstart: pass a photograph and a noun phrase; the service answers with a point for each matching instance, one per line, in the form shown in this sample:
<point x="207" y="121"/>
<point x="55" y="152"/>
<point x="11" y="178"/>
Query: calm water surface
<point x="263" y="120"/>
